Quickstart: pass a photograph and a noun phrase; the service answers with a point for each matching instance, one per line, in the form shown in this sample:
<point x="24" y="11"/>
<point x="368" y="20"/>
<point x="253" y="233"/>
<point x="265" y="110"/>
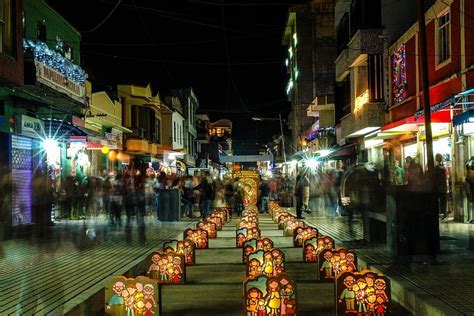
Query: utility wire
<point x="106" y="18"/>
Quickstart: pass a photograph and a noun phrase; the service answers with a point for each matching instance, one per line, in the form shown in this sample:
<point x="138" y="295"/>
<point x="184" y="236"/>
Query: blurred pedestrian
<point x="116" y="199"/>
<point x="206" y="195"/>
<point x="397" y="174"/>
<point x="441" y="185"/>
<point x="298" y="193"/>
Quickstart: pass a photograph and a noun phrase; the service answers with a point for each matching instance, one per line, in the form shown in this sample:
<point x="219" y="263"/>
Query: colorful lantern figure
<point x="254" y="244"/>
<point x="301" y="234"/>
<point x="332" y="262"/>
<point x="182" y="247"/>
<point x="167" y="268"/>
<point x="209" y="227"/>
<point x="363" y="293"/>
<point x="198" y="236"/>
<point x="139" y="296"/>
<point x="270" y="295"/>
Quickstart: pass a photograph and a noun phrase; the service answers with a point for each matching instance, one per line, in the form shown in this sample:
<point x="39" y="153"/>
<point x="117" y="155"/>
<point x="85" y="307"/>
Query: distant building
<point x="310" y="37"/>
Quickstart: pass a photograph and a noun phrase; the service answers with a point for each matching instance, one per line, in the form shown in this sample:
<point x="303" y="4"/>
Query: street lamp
<point x="256" y="118"/>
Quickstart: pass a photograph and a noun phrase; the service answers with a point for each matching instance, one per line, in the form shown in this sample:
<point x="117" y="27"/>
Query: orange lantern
<point x="112" y="155"/>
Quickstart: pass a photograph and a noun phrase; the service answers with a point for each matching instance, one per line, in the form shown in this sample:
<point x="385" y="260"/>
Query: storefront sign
<point x="30" y="126"/>
<point x="57" y="81"/>
<point x="435" y="108"/>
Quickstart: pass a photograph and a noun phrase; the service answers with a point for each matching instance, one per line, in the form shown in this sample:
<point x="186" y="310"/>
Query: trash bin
<point x="170" y="205"/>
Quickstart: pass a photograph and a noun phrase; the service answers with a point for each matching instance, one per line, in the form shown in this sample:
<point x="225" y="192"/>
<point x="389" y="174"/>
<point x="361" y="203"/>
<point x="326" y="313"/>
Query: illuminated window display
<point x="254" y="244"/>
<point x="139" y="296"/>
<point x="302" y="233"/>
<point x="167" y="268"/>
<point x="270" y="296"/>
<point x="210" y="227"/>
<point x="182" y="247"/>
<point x="199" y="236"/>
<point x="399" y="75"/>
<point x="269" y="263"/>
<point x="364" y="292"/>
<point x="334" y="261"/>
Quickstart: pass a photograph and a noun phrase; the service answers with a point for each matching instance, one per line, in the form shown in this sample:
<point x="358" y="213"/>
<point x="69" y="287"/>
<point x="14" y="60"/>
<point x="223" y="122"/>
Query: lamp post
<point x="281" y="130"/>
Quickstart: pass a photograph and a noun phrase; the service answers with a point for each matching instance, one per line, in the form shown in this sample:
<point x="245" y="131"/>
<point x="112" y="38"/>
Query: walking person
<point x="116" y="199"/>
<point x="206" y="195"/>
<point x="264" y="191"/>
<point x="441" y="185"/>
<point x="298" y="193"/>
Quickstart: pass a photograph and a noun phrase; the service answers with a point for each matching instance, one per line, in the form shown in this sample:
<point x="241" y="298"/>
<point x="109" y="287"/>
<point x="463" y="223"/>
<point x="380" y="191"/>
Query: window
<point x="158" y="131"/>
<point x="7" y="30"/>
<point x="174" y="131"/>
<point x="41" y="32"/>
<point x="444" y="37"/>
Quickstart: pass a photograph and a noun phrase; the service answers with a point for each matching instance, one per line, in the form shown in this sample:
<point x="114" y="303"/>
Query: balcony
<point x="366" y="119"/>
<point x="45" y="67"/>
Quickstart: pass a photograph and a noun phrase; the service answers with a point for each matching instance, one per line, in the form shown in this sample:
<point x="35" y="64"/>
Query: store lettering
<point x="32" y="125"/>
<point x="61" y="80"/>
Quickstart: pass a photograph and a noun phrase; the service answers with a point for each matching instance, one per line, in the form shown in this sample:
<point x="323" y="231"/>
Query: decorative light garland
<point x="54" y="60"/>
<point x="399" y="75"/>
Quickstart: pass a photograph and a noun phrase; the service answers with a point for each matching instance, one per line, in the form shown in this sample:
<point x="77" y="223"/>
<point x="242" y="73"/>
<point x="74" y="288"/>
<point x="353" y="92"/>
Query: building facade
<point x="310" y="38"/>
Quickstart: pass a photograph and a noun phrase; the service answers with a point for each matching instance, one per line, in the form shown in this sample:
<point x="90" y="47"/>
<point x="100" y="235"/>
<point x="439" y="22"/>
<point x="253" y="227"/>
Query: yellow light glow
<point x="105" y="150"/>
<point x="360" y="101"/>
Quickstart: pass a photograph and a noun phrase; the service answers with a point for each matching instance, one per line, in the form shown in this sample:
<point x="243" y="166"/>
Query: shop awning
<point x="410" y="124"/>
<point x="344" y="151"/>
<point x="466" y="117"/>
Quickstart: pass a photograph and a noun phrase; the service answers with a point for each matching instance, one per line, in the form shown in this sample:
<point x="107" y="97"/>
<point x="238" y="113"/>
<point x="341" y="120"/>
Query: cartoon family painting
<point x="331" y="262"/>
<point x="244" y="234"/>
<point x="182" y="247"/>
<point x="254" y="244"/>
<point x="270" y="296"/>
<point x="366" y="293"/>
<point x="132" y="297"/>
<point x="198" y="236"/>
<point x="302" y="233"/>
<point x="167" y="268"/>
<point x="314" y="245"/>
<point x="210" y="227"/>
<point x="269" y="263"/>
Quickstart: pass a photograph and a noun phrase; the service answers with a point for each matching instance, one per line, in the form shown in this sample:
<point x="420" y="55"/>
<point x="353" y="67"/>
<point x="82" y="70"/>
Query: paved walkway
<point x="54" y="274"/>
<point x="215" y="283"/>
<point x="446" y="286"/>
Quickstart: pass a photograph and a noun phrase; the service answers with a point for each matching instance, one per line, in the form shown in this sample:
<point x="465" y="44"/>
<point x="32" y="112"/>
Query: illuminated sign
<point x="269" y="263"/>
<point x="198" y="236"/>
<point x="182" y="247"/>
<point x="331" y="262"/>
<point x="167" y="268"/>
<point x="270" y="295"/>
<point x="254" y="244"/>
<point x="364" y="292"/>
<point x="139" y="296"/>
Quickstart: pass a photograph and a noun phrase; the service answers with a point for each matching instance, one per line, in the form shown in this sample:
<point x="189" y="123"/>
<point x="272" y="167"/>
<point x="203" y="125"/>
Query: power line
<point x="106" y="18"/>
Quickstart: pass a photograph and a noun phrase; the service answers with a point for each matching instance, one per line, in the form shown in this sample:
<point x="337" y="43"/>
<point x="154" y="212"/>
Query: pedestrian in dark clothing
<point x="441" y="185"/>
<point x="188" y="197"/>
<point x="116" y="199"/>
<point x="206" y="195"/>
<point x="264" y="194"/>
<point x="298" y="192"/>
<point x="71" y="193"/>
<point x="140" y="184"/>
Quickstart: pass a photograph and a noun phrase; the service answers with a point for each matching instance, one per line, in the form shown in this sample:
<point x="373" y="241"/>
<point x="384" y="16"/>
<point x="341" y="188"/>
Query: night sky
<point x="229" y="51"/>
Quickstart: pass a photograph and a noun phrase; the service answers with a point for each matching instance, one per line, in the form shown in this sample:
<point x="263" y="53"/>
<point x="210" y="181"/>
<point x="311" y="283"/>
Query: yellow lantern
<point x="105" y="150"/>
<point x="120" y="156"/>
<point x="112" y="155"/>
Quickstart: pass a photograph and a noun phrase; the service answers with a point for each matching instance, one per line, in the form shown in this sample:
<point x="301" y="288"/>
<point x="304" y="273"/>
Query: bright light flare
<point x="312" y="163"/>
